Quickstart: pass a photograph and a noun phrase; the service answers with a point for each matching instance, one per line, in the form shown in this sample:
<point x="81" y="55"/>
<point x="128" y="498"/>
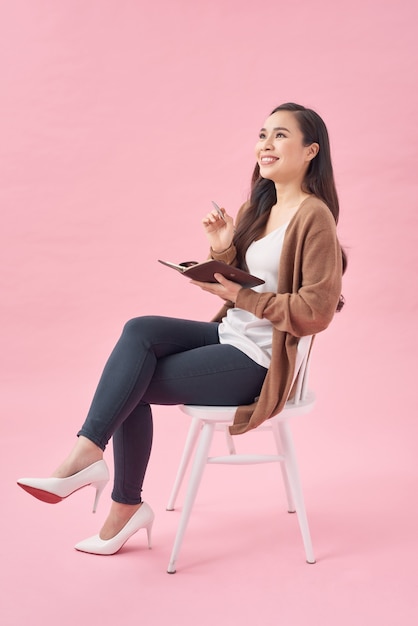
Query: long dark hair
<point x="319" y="181"/>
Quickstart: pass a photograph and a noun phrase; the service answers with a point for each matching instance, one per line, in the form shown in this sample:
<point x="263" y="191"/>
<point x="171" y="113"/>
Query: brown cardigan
<point x="310" y="274"/>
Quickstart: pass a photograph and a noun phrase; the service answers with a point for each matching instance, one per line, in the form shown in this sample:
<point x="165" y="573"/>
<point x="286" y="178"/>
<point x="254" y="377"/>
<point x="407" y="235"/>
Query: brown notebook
<point x="204" y="272"/>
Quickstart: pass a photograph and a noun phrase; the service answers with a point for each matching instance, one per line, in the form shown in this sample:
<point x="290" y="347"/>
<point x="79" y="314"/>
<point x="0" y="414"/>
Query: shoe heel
<point x="149" y="533"/>
<point x="99" y="485"/>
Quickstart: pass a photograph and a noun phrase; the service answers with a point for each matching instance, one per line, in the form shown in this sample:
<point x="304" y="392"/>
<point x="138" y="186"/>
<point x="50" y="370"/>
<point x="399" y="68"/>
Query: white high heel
<point x="53" y="490"/>
<point x="143" y="518"/>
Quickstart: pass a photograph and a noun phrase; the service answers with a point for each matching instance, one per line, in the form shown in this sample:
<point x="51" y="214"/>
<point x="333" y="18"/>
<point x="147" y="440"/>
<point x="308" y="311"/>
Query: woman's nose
<point x="267" y="143"/>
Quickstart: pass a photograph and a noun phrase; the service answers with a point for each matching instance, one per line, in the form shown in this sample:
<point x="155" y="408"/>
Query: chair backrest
<point x="301" y="369"/>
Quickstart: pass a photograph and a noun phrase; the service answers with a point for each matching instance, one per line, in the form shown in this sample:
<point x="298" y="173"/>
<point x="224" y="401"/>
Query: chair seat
<point x="225" y="414"/>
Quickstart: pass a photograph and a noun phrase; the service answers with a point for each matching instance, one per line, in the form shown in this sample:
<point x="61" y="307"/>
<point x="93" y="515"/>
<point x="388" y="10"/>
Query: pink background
<point x="120" y="121"/>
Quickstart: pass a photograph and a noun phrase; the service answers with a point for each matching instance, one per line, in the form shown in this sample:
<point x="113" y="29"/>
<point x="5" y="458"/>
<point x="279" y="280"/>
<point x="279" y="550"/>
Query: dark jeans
<point x="161" y="360"/>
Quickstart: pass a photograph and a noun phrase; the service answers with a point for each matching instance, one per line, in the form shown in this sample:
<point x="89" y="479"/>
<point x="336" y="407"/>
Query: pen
<point x="221" y="215"/>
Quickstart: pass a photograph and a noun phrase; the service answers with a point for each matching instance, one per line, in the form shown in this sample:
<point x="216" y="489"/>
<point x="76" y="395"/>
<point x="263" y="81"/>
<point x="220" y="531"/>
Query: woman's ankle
<point x="119" y="516"/>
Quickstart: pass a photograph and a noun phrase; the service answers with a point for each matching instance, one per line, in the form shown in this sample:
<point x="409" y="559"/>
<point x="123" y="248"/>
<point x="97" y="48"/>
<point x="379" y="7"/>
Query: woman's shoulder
<point x="313" y="210"/>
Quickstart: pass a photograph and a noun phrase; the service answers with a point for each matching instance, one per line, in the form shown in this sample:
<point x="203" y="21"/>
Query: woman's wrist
<point x="227" y="256"/>
<point x="221" y="251"/>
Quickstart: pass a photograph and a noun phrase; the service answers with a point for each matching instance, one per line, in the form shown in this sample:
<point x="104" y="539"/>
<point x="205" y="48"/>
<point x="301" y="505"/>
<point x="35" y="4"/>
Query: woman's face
<point x="280" y="152"/>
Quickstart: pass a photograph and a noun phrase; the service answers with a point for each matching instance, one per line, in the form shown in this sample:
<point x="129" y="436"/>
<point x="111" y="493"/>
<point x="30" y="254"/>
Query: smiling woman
<point x="281" y="144"/>
<point x="286" y="235"/>
<point x="283" y="158"/>
<point x="293" y="162"/>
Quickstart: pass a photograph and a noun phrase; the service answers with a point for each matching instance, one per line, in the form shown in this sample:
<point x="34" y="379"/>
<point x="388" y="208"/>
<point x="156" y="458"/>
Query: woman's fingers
<point x="213" y="217"/>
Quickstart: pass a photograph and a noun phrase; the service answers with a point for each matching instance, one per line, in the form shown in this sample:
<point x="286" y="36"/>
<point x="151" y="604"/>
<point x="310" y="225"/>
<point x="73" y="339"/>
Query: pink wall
<point x="121" y="120"/>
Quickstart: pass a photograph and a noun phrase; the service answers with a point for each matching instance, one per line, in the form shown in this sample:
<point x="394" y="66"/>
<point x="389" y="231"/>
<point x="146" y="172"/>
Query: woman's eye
<point x="261" y="136"/>
<point x="280" y="135"/>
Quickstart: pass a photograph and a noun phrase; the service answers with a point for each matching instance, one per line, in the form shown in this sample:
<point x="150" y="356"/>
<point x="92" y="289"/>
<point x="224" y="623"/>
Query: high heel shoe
<point x="54" y="490"/>
<point x="143" y="518"/>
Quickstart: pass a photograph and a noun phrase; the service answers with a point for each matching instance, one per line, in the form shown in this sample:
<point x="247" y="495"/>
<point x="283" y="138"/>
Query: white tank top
<point x="242" y="329"/>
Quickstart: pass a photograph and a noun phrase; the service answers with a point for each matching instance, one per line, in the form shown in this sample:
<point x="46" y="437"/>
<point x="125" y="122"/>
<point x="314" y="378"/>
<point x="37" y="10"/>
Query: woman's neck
<point x="284" y="210"/>
<point x="288" y="198"/>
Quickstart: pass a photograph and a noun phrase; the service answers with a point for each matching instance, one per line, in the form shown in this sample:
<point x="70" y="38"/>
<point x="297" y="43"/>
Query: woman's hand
<point x="219" y="231"/>
<point x="224" y="288"/>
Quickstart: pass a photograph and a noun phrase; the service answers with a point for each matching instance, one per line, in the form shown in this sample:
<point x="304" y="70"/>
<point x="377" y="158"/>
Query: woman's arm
<point x="219" y="229"/>
<point x="223" y="251"/>
<point x="225" y="289"/>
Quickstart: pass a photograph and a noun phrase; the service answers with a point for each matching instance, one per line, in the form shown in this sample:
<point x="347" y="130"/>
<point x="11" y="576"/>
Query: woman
<point x="286" y="235"/>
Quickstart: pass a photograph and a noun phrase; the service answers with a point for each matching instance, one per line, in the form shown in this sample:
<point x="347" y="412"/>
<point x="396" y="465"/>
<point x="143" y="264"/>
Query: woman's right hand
<point x="219" y="231"/>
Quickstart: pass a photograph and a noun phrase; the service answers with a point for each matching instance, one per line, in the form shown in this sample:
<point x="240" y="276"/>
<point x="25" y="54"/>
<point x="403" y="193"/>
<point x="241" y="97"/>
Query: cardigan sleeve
<point x="309" y="279"/>
<point x="227" y="256"/>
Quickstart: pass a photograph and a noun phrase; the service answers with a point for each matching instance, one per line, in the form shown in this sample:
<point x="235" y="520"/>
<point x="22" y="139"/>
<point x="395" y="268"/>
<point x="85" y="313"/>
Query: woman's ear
<point x="312" y="151"/>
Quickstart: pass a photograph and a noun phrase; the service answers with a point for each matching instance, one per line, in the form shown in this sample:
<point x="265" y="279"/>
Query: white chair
<point x="207" y="419"/>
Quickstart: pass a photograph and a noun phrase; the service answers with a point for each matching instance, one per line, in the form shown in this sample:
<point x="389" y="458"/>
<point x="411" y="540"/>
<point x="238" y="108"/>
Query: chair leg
<point x="229" y="441"/>
<point x="296" y="488"/>
<point x="193" y="486"/>
<point x="189" y="446"/>
<point x="290" y="503"/>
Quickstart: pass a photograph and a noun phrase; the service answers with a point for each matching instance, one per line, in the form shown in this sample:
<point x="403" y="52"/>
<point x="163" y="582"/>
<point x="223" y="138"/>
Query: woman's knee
<point x="140" y="325"/>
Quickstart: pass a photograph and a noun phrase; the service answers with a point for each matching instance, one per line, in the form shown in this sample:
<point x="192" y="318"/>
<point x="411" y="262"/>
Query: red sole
<point x="45" y="496"/>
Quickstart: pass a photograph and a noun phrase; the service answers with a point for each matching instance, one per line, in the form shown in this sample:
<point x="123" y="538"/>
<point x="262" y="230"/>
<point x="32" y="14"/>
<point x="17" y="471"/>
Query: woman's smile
<point x="268" y="159"/>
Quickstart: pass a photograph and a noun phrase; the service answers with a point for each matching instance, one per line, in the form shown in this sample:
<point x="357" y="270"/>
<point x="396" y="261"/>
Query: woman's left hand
<point x="224" y="288"/>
